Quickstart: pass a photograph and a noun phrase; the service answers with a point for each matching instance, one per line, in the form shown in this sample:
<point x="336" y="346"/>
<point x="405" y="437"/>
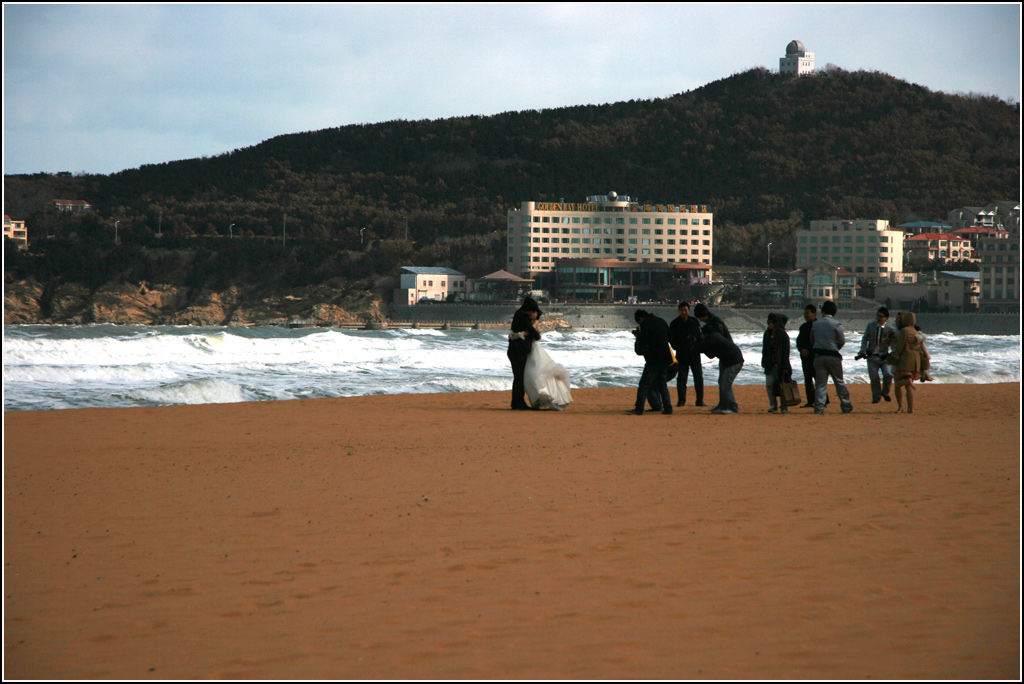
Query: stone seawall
<point x="596" y="317"/>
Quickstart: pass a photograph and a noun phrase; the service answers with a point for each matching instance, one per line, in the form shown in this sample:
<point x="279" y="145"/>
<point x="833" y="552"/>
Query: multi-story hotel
<point x="866" y="247"/>
<point x="607" y="227"/>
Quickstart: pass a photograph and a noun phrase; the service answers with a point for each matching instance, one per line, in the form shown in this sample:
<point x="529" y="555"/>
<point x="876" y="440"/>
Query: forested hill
<point x="766" y="152"/>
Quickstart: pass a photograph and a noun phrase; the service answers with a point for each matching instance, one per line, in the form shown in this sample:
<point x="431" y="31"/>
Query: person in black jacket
<point x="710" y="319"/>
<point x="730" y="363"/>
<point x="805" y="347"/>
<point x="684" y="336"/>
<point x="775" y="360"/>
<point x="520" y="341"/>
<point x="652" y="344"/>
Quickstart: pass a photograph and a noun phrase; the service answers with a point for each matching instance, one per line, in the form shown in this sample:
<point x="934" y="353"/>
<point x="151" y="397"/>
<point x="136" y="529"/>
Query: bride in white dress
<point x="547" y="382"/>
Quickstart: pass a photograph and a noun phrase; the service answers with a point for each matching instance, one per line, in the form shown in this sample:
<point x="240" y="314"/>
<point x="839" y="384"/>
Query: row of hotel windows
<point x="608" y="231"/>
<point x="608" y="250"/>
<point x="646" y="252"/>
<point x="608" y="241"/>
<point x="845" y="238"/>
<point x="847" y="259"/>
<point x="608" y="221"/>
<point x="845" y="250"/>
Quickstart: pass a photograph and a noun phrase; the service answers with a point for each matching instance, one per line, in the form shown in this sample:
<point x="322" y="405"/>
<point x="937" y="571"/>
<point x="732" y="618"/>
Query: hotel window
<point x="632" y="221"/>
<point x="682" y="222"/>
<point x="671" y="222"/>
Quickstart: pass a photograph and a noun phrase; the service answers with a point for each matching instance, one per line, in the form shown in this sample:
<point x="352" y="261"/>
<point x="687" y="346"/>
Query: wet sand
<point x="443" y="536"/>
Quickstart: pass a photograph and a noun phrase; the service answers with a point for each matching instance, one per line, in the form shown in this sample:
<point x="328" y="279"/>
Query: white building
<point x="821" y="282"/>
<point x="868" y="248"/>
<point x="428" y="283"/>
<point x="797" y="60"/>
<point x="15" y="230"/>
<point x="607" y="227"/>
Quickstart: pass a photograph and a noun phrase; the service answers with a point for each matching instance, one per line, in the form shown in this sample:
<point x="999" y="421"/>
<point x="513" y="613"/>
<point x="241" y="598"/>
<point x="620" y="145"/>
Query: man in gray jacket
<point x="827" y="339"/>
<point x="875" y="347"/>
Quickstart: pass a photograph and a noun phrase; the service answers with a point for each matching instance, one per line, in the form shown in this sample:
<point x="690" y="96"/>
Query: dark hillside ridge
<point x="766" y="152"/>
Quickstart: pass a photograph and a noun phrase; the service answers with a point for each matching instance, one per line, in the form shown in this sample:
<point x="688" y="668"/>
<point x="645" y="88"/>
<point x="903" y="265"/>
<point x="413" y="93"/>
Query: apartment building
<point x="868" y="248"/>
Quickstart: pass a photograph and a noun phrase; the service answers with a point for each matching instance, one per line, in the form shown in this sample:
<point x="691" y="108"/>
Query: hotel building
<point x="869" y="248"/>
<point x="607" y="227"/>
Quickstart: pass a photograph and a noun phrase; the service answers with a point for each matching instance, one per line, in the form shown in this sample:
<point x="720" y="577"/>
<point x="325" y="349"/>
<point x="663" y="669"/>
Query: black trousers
<point x="807" y="362"/>
<point x="653" y="388"/>
<point x="685" y="366"/>
<point x="518" y="362"/>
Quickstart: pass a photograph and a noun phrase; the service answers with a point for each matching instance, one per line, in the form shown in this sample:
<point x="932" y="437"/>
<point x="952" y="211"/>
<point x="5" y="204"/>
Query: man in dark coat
<point x="520" y="341"/>
<point x="805" y="347"/>
<point x="684" y="336"/>
<point x="652" y="344"/>
<point x="711" y="321"/>
<point x="775" y="360"/>
<point x="730" y="363"/>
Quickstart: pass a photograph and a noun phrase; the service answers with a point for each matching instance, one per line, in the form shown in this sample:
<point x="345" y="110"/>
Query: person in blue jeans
<point x="730" y="363"/>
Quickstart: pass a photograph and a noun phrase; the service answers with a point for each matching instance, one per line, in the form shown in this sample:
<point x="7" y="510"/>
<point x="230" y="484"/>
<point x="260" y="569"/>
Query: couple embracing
<point x="534" y="372"/>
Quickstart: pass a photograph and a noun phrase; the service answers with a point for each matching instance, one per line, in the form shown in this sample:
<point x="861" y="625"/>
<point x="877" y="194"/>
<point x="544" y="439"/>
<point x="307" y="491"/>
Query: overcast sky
<point x="102" y="88"/>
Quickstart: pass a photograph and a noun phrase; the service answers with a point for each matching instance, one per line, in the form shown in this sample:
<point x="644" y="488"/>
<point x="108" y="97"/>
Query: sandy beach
<point x="443" y="536"/>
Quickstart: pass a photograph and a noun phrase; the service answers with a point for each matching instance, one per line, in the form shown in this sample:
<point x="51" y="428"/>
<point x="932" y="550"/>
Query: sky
<point x="98" y="88"/>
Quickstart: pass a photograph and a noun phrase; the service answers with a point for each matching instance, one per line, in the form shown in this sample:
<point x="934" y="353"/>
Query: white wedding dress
<point x="547" y="382"/>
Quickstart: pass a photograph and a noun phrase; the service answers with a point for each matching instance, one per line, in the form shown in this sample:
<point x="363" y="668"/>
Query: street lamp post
<point x="115" y="231"/>
<point x="231" y="233"/>
<point x="769" y="259"/>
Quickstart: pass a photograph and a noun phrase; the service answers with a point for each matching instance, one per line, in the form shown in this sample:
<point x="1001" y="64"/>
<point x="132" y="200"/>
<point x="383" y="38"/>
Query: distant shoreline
<point x="739" y="319"/>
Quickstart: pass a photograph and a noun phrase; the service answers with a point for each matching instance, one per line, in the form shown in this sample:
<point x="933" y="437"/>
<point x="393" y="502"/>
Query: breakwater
<point x="747" y="319"/>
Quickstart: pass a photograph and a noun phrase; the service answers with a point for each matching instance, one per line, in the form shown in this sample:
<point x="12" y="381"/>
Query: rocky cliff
<point x="28" y="302"/>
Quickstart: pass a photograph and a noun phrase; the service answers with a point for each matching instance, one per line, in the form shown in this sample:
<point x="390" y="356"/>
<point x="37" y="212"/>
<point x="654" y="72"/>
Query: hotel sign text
<point x="671" y="208"/>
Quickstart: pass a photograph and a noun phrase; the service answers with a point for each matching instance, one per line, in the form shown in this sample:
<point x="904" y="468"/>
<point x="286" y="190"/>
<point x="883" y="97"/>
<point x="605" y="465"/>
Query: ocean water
<point x="64" y="367"/>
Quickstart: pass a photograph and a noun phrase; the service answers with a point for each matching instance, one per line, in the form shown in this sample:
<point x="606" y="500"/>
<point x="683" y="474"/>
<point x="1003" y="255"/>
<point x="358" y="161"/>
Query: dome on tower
<point x="795" y="48"/>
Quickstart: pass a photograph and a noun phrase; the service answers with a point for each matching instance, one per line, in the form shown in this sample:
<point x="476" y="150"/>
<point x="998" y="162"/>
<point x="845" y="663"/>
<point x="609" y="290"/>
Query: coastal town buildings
<point x="16" y="230"/>
<point x="955" y="291"/>
<point x="820" y="282"/>
<point x="918" y="227"/>
<point x="798" y="60"/>
<point x="72" y="206"/>
<point x="607" y="227"/>
<point x="868" y="248"/>
<point x="928" y="247"/>
<point x="498" y="286"/>
<point x="1003" y="214"/>
<point x="612" y="280"/>
<point x="419" y="283"/>
<point x="1000" y="274"/>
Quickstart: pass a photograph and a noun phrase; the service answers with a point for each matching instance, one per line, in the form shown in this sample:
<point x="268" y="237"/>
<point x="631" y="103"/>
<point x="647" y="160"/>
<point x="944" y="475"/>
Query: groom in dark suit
<point x="520" y="341"/>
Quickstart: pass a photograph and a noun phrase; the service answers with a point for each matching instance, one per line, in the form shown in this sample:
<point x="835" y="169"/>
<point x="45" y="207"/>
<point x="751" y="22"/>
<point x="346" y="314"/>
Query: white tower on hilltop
<point x="797" y="60"/>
